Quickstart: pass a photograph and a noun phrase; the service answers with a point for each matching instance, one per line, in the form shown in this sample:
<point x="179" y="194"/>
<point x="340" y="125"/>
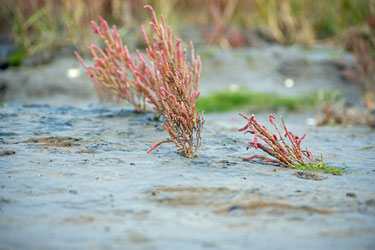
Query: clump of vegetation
<point x="225" y="101"/>
<point x="286" y="154"/>
<point x="364" y="72"/>
<point x="338" y="113"/>
<point x="362" y="75"/>
<point x="319" y="167"/>
<point x="169" y="82"/>
<point x="285" y="149"/>
<point x="171" y="85"/>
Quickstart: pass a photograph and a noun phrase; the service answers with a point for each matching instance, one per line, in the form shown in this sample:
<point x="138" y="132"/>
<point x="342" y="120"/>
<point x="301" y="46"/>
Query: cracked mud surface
<point x="80" y="178"/>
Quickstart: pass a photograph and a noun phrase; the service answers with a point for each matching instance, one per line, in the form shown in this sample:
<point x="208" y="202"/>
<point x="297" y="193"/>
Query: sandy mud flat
<point x="80" y="178"/>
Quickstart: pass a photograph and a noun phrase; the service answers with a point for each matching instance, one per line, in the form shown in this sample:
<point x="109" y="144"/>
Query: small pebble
<point x="351" y="195"/>
<point x="234" y="208"/>
<point x="7" y="152"/>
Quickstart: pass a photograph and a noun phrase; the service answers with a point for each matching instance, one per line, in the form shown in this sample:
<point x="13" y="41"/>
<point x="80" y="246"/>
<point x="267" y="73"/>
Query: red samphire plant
<point x="286" y="154"/>
<point x="165" y="79"/>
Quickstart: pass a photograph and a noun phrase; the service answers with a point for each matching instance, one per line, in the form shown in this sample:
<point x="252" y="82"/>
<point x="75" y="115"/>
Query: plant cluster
<point x="175" y="88"/>
<point x="163" y="77"/>
<point x="286" y="154"/>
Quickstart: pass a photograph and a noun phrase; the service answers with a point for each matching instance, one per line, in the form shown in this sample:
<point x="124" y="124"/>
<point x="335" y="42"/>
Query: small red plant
<point x="288" y="155"/>
<point x="166" y="80"/>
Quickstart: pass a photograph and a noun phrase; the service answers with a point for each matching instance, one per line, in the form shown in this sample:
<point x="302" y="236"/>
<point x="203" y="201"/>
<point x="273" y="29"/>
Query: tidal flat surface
<point x="80" y="178"/>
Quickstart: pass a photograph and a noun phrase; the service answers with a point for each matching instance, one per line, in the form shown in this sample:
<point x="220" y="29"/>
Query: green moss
<point x="320" y="167"/>
<point x="17" y="57"/>
<point x="226" y="101"/>
<point x="155" y="118"/>
<point x="367" y="148"/>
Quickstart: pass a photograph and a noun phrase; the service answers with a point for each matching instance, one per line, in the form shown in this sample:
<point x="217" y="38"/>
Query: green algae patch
<point x="367" y="148"/>
<point x="320" y="167"/>
<point x="223" y="101"/>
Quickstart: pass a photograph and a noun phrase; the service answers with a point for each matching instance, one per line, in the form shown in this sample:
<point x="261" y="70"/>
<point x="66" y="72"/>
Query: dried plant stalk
<point x="338" y="113"/>
<point x="365" y="69"/>
<point x="168" y="82"/>
<point x="286" y="154"/>
<point x="362" y="74"/>
<point x="220" y="18"/>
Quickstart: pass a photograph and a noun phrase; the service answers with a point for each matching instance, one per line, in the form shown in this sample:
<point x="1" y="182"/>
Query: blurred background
<point x="45" y="26"/>
<point x="296" y="48"/>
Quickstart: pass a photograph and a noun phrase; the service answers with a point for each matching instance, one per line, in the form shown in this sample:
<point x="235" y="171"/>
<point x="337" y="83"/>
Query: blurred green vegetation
<point x="44" y="26"/>
<point x="226" y="100"/>
<point x="367" y="148"/>
<point x="17" y="57"/>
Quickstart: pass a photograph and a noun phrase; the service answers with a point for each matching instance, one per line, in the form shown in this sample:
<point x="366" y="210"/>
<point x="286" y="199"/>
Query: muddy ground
<point x="76" y="175"/>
